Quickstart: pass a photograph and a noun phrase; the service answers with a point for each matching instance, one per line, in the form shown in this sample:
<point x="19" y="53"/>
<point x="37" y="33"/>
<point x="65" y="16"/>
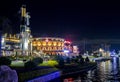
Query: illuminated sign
<point x="66" y="51"/>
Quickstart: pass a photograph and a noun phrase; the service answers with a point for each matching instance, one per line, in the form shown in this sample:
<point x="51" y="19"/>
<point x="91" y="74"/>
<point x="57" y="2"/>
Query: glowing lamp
<point x="49" y="43"/>
<point x="101" y="50"/>
<point x="39" y="44"/>
<point x="3" y="40"/>
<point x="54" y="43"/>
<point x="33" y="44"/>
<point x="59" y="44"/>
<point x="44" y="44"/>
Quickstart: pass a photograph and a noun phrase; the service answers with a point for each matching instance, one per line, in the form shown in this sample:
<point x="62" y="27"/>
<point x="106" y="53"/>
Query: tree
<point x="6" y="25"/>
<point x="5" y="61"/>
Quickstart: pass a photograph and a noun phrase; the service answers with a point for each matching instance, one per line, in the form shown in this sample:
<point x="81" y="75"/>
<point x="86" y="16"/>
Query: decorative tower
<point x="24" y="31"/>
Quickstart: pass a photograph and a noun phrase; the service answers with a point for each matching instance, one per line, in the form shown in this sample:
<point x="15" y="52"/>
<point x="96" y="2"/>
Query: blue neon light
<point x="46" y="78"/>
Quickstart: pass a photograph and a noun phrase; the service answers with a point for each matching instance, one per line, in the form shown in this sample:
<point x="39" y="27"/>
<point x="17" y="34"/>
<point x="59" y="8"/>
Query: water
<point x="106" y="71"/>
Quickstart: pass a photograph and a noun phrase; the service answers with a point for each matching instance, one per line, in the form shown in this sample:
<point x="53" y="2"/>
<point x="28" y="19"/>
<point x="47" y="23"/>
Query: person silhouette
<point x="87" y="59"/>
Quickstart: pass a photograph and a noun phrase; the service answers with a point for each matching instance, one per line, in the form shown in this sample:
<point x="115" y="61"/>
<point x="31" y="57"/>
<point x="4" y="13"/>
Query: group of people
<point x="82" y="60"/>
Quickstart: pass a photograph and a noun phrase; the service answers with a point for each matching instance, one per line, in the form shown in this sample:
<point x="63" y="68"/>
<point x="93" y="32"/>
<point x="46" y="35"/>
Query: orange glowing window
<point x="39" y="44"/>
<point x="50" y="48"/>
<point x="44" y="43"/>
<point x="34" y="43"/>
<point x="38" y="48"/>
<point x="62" y="44"/>
<point x="43" y="48"/>
<point x="54" y="43"/>
<point x="59" y="48"/>
<point x="49" y="43"/>
<point x="59" y="44"/>
<point x="54" y="48"/>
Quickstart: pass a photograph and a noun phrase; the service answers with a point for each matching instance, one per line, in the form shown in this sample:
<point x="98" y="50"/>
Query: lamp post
<point x="30" y="45"/>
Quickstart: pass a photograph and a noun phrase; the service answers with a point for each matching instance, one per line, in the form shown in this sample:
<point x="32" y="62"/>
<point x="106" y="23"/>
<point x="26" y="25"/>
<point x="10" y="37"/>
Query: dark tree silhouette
<point x="5" y="25"/>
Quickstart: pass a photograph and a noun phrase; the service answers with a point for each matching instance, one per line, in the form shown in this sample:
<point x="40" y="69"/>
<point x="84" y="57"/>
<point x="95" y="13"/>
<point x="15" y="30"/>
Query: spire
<point x="23" y="11"/>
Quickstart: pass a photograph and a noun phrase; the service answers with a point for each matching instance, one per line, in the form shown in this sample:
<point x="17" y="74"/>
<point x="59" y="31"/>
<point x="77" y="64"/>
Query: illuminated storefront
<point x="49" y="45"/>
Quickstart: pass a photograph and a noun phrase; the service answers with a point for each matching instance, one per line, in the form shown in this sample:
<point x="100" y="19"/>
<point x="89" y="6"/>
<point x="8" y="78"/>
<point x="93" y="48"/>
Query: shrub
<point x="61" y="62"/>
<point x="30" y="64"/>
<point x="37" y="60"/>
<point x="12" y="58"/>
<point x="68" y="60"/>
<point x="52" y="63"/>
<point x="56" y="57"/>
<point x="5" y="61"/>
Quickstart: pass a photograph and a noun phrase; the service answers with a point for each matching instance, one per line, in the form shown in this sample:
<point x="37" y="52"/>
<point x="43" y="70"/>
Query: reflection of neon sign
<point x="69" y="80"/>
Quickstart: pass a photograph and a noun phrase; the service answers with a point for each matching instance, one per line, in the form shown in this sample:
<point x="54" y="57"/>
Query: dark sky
<point x="69" y="19"/>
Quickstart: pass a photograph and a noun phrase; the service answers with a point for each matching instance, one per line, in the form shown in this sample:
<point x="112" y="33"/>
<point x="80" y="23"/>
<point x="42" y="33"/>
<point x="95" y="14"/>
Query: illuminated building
<point x="24" y="44"/>
<point x="49" y="45"/>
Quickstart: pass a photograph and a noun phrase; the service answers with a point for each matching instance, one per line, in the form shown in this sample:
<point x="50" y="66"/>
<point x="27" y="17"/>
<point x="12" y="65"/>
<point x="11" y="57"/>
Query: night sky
<point x="69" y="19"/>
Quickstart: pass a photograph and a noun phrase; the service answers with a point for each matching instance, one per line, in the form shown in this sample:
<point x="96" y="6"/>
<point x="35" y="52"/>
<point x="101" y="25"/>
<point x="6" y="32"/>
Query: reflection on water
<point x="106" y="71"/>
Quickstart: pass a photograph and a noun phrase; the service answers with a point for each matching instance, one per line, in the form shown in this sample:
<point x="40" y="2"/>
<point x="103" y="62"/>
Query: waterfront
<point x="106" y="71"/>
<point x="59" y="41"/>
